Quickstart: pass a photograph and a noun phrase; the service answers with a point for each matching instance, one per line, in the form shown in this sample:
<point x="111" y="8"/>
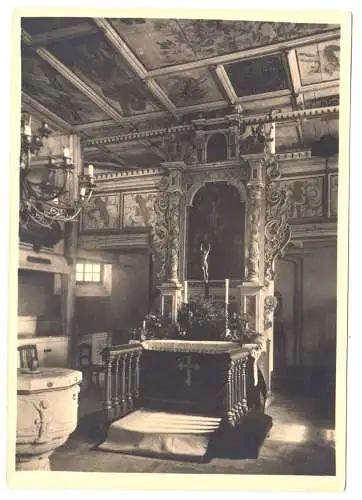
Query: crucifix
<point x="188" y="366"/>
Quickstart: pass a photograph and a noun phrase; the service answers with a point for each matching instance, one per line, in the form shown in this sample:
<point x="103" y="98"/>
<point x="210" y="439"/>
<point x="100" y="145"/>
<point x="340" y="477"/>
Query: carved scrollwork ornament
<point x="270" y="304"/>
<point x="166" y="232"/>
<point x="277" y="237"/>
<point x="159" y="233"/>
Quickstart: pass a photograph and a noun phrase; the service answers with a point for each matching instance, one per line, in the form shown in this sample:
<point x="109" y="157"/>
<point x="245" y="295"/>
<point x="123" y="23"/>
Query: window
<point x="88" y="273"/>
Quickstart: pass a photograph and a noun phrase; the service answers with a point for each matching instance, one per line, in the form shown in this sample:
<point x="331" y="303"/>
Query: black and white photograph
<point x="179" y="216"/>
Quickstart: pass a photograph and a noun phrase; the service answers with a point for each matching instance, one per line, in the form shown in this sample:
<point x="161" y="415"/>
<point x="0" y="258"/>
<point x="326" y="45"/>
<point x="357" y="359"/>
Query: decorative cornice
<point x="294" y="155"/>
<point x="289" y="115"/>
<point x="137" y="136"/>
<point x="245" y="54"/>
<point x="127" y="180"/>
<point x="252" y="120"/>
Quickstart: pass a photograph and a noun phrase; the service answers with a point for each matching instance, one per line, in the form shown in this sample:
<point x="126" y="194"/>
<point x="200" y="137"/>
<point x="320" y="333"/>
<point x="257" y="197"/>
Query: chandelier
<point x="49" y="193"/>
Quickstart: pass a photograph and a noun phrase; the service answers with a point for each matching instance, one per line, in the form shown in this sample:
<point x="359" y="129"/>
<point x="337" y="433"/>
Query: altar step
<point x="184" y="436"/>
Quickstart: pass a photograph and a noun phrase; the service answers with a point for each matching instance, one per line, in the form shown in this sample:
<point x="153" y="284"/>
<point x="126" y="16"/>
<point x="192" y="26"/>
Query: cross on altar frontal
<point x="188" y="366"/>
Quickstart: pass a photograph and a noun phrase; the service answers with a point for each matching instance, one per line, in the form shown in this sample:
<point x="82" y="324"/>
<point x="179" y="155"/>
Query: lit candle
<point x="227" y="291"/>
<point x="66" y="153"/>
<point x="82" y="192"/>
<point x="144" y="325"/>
<point x="185" y="292"/>
<point x="27" y="130"/>
<point x="90" y="170"/>
<point x="244" y="304"/>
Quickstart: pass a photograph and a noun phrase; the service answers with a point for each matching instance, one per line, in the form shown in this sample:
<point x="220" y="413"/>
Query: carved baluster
<point x="116" y="403"/>
<point x="244" y="401"/>
<point x="236" y="394"/>
<point x="123" y="384"/>
<point x="129" y="381"/>
<point x="229" y="395"/>
<point x="137" y="378"/>
<point x="240" y="409"/>
<point x="107" y="404"/>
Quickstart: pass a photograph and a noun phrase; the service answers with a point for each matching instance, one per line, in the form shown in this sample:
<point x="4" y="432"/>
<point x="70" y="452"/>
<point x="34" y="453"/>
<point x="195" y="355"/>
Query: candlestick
<point x="90" y="170"/>
<point x="244" y="304"/>
<point x="27" y="130"/>
<point x="185" y="292"/>
<point x="227" y="291"/>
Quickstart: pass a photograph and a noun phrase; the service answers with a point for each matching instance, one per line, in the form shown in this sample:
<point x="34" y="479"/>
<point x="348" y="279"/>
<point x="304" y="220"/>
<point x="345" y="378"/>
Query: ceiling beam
<point x="225" y="83"/>
<point x="42" y="112"/>
<point x="245" y="54"/>
<point x="74" y="80"/>
<point x="293" y="67"/>
<point x="122" y="48"/>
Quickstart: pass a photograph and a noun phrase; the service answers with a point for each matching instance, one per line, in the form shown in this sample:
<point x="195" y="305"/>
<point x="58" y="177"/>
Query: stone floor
<point x="301" y="442"/>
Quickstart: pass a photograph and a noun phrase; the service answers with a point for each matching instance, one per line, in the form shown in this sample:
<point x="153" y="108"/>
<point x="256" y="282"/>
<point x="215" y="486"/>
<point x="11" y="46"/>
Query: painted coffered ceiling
<point x="108" y="77"/>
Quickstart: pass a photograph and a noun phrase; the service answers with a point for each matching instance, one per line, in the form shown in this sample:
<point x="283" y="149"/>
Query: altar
<point x="214" y="378"/>
<point x="185" y="399"/>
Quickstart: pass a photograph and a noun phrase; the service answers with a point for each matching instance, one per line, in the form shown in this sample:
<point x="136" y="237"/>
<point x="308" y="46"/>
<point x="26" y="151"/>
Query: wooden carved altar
<point x="233" y="205"/>
<point x="235" y="209"/>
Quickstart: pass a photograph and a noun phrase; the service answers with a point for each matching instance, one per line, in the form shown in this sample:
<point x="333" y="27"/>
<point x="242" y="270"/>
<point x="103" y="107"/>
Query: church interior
<point x="177" y="246"/>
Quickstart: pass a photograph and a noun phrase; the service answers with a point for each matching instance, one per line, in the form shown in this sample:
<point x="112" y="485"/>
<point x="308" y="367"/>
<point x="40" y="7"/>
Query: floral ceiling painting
<point x="193" y="87"/>
<point x="258" y="76"/>
<point x="101" y="67"/>
<point x="56" y="93"/>
<point x="162" y="42"/>
<point x="215" y="37"/>
<point x="156" y="42"/>
<point x="319" y="62"/>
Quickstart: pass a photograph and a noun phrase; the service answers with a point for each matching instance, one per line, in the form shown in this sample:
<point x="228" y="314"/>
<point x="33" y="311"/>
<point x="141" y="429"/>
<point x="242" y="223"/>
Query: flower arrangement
<point x="201" y="320"/>
<point x="154" y="325"/>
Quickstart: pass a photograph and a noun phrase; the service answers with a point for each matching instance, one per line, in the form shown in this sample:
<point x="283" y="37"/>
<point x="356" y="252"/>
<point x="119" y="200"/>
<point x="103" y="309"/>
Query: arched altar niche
<point x="216" y="217"/>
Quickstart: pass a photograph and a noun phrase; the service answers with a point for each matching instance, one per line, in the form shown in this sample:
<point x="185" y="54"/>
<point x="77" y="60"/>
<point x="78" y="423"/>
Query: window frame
<point x="85" y="282"/>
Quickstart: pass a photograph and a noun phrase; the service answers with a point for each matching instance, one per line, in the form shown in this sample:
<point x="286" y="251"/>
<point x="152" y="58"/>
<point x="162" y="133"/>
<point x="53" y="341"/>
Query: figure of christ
<point x="204" y="254"/>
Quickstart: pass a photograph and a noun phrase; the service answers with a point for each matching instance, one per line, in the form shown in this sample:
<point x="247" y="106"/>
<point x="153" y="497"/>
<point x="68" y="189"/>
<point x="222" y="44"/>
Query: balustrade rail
<point x="122" y="370"/>
<point x="236" y="389"/>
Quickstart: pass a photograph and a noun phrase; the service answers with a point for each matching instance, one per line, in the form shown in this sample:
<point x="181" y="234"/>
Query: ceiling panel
<point x="258" y="76"/>
<point x="319" y="62"/>
<point x="40" y="25"/>
<point x="53" y="91"/>
<point x="216" y="37"/>
<point x="96" y="62"/>
<point x="156" y="42"/>
<point x="192" y="87"/>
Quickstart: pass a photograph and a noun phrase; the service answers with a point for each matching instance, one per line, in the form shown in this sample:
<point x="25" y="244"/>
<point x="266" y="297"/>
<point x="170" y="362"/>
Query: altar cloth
<point x="197" y="346"/>
<point x="163" y="434"/>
